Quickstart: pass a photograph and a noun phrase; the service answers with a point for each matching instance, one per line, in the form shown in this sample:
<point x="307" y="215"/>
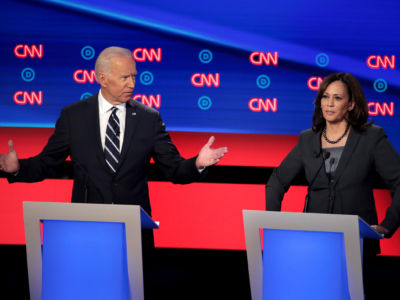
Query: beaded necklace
<point x="339" y="139"/>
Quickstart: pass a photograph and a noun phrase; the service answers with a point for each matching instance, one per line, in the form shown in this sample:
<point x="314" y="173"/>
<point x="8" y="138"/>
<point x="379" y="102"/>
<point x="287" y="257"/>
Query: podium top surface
<point x="367" y="231"/>
<point x="88" y="212"/>
<point x="309" y="221"/>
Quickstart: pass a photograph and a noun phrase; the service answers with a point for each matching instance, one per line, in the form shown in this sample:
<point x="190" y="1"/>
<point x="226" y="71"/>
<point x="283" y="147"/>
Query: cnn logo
<point x="202" y="79"/>
<point x="314" y="82"/>
<point x="143" y="54"/>
<point x="258" y="58"/>
<point x="383" y="109"/>
<point x="83" y="76"/>
<point x="24" y="97"/>
<point x="267" y="105"/>
<point x="23" y="51"/>
<point x="150" y="100"/>
<point x="384" y="62"/>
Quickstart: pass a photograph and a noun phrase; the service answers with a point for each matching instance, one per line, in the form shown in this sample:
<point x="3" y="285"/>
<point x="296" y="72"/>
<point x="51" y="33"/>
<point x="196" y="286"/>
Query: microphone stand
<point x="331" y="197"/>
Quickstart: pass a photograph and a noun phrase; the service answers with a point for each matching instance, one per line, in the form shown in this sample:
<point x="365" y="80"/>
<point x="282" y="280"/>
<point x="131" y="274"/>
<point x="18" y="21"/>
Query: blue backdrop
<point x="306" y="40"/>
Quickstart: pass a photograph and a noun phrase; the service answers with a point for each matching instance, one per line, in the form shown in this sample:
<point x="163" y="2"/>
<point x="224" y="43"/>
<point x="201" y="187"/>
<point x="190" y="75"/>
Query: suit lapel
<point x="316" y="167"/>
<point x="130" y="127"/>
<point x="348" y="151"/>
<point x="316" y="144"/>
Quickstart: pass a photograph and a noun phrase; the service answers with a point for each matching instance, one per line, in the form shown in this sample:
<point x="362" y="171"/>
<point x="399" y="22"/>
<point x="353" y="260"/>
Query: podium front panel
<point x="348" y="258"/>
<point x="84" y="260"/>
<point x="304" y="265"/>
<point x="131" y="219"/>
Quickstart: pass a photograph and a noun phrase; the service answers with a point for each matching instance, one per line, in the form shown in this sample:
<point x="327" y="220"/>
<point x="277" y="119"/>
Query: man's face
<point x="117" y="86"/>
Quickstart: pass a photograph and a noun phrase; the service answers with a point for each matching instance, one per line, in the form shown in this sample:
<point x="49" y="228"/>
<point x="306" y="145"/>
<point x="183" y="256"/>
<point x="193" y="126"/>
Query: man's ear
<point x="102" y="79"/>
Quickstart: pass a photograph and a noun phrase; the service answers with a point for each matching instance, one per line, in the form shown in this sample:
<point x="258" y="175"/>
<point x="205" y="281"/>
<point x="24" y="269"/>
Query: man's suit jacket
<point x="351" y="187"/>
<point x="77" y="135"/>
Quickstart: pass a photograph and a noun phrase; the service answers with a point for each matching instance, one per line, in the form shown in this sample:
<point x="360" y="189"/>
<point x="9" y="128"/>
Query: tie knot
<point x="114" y="110"/>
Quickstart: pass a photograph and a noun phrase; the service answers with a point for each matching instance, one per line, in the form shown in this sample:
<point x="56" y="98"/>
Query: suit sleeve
<point x="166" y="155"/>
<point x="282" y="177"/>
<point x="387" y="162"/>
<point x="45" y="164"/>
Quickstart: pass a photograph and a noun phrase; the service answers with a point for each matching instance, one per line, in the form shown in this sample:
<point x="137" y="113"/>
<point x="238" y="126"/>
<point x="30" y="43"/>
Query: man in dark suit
<point x="111" y="139"/>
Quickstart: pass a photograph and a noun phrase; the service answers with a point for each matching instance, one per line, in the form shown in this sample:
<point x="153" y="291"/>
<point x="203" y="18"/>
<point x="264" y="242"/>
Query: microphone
<point x="85" y="181"/>
<point x="87" y="178"/>
<point x="331" y="162"/>
<point x="325" y="156"/>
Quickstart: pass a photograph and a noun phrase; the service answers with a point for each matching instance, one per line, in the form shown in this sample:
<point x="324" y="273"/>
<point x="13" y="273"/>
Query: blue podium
<point x="84" y="251"/>
<point x="305" y="255"/>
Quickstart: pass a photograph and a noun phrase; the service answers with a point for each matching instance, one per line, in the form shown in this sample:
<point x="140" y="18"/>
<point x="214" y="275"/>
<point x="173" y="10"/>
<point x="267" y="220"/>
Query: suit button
<point x="332" y="180"/>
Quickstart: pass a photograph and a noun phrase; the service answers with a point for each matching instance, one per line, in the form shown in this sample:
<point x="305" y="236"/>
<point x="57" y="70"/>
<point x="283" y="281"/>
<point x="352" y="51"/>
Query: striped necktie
<point x="111" y="146"/>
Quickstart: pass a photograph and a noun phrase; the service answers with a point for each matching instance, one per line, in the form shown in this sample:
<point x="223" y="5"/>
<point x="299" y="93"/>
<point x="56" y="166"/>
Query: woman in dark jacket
<point x="339" y="157"/>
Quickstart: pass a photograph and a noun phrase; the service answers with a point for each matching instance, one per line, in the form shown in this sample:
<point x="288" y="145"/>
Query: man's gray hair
<point x="103" y="62"/>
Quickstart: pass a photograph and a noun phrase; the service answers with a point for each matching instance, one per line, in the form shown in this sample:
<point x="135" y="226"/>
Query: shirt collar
<point x="105" y="106"/>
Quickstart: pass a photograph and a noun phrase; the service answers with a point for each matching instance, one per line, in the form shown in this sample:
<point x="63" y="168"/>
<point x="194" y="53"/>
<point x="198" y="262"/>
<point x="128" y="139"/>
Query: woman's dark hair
<point x="358" y="116"/>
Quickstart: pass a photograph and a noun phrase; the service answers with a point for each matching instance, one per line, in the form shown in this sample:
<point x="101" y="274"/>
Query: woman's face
<point x="335" y="103"/>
